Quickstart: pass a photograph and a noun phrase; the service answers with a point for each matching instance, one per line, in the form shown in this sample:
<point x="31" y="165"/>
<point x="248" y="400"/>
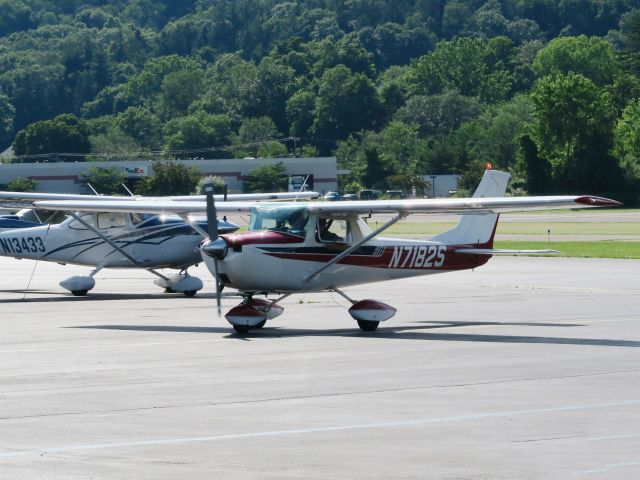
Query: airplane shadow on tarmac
<point x="399" y="333"/>
<point x="67" y="297"/>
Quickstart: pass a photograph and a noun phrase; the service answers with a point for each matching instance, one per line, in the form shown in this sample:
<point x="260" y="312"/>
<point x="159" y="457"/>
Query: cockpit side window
<point x="293" y="220"/>
<point x="111" y="220"/>
<point x="137" y="218"/>
<point x="331" y="230"/>
<point x="88" y="218"/>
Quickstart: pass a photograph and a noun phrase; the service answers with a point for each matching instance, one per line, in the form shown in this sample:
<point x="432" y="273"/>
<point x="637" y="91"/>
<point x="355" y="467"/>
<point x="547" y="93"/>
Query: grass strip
<point x="526" y="228"/>
<point x="593" y="249"/>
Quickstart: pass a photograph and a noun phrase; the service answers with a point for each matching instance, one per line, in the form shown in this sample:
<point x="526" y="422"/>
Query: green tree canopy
<point x="592" y="57"/>
<point x="7" y="113"/>
<point x="267" y="178"/>
<point x="572" y="129"/>
<point x="346" y="103"/>
<point x="198" y="130"/>
<point x="63" y="134"/>
<point x="169" y="178"/>
<point x="22" y="184"/>
<point x="627" y="140"/>
<point x="106" y="181"/>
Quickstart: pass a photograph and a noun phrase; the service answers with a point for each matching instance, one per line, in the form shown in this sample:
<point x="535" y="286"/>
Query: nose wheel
<point x="368" y="325"/>
<point x="253" y="313"/>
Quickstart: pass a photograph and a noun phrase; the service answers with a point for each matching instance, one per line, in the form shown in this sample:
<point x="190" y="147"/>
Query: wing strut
<point x="337" y="258"/>
<point x="114" y="245"/>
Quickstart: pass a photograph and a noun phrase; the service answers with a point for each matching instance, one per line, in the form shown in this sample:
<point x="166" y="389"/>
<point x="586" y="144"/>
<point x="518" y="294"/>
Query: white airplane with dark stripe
<point x="327" y="246"/>
<point x="103" y="239"/>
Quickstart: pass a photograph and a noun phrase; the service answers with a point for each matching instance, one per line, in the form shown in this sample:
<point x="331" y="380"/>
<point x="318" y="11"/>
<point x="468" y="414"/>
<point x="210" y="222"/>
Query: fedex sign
<point x="135" y="170"/>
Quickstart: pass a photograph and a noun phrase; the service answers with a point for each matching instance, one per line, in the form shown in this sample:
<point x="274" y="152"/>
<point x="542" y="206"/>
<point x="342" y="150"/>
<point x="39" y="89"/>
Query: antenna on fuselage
<point x="93" y="189"/>
<point x="128" y="191"/>
<point x="304" y="184"/>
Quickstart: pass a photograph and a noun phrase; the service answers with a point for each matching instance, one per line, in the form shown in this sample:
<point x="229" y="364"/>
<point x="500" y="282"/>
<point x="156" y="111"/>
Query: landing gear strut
<point x="79" y="285"/>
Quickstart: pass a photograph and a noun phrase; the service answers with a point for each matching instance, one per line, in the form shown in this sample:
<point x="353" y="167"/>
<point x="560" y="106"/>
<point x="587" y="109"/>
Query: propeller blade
<point x="218" y="289"/>
<point x="212" y="216"/>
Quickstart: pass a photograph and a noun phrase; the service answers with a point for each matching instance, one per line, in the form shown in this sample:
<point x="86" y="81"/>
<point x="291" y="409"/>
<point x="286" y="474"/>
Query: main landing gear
<point x="79" y="285"/>
<point x="368" y="313"/>
<point x="182" y="282"/>
<point x="179" y="283"/>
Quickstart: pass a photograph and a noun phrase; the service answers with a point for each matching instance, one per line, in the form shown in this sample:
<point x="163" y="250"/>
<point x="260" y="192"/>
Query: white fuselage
<point x="153" y="242"/>
<point x="273" y="261"/>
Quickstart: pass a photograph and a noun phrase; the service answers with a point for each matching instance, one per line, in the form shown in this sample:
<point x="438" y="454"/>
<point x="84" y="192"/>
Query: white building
<point x="66" y="177"/>
<point x="445" y="185"/>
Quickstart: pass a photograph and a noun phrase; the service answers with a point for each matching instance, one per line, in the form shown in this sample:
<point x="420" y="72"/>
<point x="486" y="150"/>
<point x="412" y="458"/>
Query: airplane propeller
<point x="215" y="247"/>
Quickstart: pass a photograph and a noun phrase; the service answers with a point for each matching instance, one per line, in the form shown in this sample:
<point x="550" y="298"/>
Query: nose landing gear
<point x="253" y="313"/>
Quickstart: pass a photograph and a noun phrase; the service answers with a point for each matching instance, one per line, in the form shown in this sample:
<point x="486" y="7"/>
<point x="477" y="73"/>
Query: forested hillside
<point x="395" y="88"/>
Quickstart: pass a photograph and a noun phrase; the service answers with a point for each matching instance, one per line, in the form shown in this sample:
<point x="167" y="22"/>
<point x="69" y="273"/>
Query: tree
<point x="346" y="103"/>
<point x="627" y="140"/>
<point x="299" y="111"/>
<point x="63" y="134"/>
<point x="198" y="130"/>
<point x="15" y="16"/>
<point x="177" y="91"/>
<point x="474" y="67"/>
<point x="37" y="92"/>
<point x="106" y="181"/>
<point x="252" y="134"/>
<point x="573" y="131"/>
<point x="537" y="170"/>
<point x="272" y="150"/>
<point x="22" y="184"/>
<point x="169" y="178"/>
<point x="267" y="178"/>
<point x="7" y="113"/>
<point x="630" y="28"/>
<point x="219" y="185"/>
<point x="592" y="57"/>
<point x="347" y="51"/>
<point x="443" y="113"/>
<point x="115" y="145"/>
<point x="140" y="124"/>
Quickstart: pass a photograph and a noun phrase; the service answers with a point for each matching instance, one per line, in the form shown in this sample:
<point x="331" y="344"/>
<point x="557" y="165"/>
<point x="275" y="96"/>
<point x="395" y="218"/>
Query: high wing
<point x="425" y="206"/>
<point x="246" y="197"/>
<point x="26" y="199"/>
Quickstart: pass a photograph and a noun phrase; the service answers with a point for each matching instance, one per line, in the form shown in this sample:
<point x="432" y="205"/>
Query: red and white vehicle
<point x="327" y="246"/>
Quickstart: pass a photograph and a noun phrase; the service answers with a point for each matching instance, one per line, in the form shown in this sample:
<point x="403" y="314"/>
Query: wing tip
<point x="594" y="201"/>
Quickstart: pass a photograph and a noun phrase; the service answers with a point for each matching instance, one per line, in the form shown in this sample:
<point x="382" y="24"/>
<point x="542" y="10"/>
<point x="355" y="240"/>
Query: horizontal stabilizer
<point x="503" y="251"/>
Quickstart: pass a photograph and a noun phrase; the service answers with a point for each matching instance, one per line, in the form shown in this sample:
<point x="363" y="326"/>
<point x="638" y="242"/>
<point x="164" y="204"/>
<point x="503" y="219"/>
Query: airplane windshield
<point x="280" y="219"/>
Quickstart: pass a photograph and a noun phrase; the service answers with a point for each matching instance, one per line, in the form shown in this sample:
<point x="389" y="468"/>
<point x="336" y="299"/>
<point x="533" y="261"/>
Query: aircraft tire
<point x="261" y="324"/>
<point x="368" y="326"/>
<point x="190" y="293"/>
<point x="79" y="293"/>
<point x="169" y="290"/>
<point x="242" y="328"/>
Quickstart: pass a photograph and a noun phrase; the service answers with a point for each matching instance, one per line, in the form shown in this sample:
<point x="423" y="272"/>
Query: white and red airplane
<point x="327" y="246"/>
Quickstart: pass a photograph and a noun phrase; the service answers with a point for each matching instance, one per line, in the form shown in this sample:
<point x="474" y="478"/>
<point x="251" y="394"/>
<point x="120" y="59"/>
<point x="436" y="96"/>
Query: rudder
<point x="479" y="229"/>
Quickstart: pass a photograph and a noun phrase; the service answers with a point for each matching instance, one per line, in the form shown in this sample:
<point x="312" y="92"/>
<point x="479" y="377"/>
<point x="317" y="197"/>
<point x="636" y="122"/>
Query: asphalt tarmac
<point x="528" y="368"/>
